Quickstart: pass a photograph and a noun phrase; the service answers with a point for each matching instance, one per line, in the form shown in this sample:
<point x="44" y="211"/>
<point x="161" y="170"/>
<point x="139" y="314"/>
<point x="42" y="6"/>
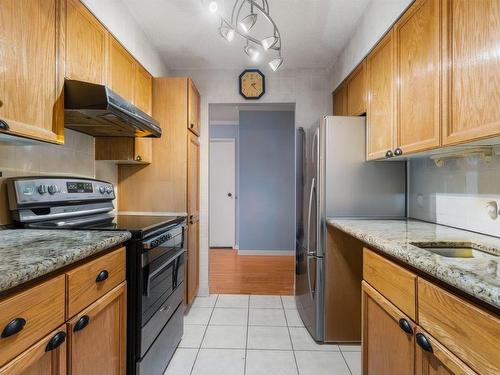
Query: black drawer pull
<point x="14" y="326"/>
<point x="405" y="326"/>
<point x="81" y="323"/>
<point x="56" y="341"/>
<point x="398" y="152"/>
<point x="103" y="275"/>
<point x="4" y="125"/>
<point x="424" y="342"/>
<point x="389" y="154"/>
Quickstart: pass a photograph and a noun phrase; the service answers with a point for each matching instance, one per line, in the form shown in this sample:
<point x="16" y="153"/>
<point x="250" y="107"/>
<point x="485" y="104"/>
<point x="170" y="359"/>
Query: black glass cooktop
<point x="138" y="225"/>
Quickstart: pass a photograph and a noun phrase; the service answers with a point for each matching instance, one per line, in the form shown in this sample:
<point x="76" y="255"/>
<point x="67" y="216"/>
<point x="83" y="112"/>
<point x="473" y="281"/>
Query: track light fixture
<point x="245" y="16"/>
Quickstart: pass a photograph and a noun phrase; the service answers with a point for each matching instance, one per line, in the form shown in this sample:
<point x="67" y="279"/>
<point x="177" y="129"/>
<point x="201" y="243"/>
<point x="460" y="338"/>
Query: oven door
<point x="163" y="288"/>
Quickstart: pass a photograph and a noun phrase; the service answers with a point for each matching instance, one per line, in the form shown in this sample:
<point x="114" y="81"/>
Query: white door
<point x="222" y="192"/>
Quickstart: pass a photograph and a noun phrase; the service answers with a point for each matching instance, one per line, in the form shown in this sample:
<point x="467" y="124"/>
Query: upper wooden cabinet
<point x="381" y="124"/>
<point x="121" y="70"/>
<point x="143" y="90"/>
<point x="32" y="69"/>
<point x="356" y="91"/>
<point x="193" y="108"/>
<point x="472" y="66"/>
<point x="340" y="101"/>
<point x="417" y="37"/>
<point x="86" y="45"/>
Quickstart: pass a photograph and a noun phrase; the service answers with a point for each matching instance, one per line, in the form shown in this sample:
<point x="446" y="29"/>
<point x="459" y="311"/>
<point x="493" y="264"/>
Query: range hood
<point x="98" y="111"/>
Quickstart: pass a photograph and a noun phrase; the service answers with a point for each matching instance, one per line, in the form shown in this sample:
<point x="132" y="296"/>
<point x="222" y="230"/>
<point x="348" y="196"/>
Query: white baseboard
<point x="267" y="252"/>
<point x="203" y="292"/>
<point x="236" y="247"/>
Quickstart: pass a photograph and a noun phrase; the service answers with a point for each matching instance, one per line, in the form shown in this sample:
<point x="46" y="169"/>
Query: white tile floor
<point x="255" y="335"/>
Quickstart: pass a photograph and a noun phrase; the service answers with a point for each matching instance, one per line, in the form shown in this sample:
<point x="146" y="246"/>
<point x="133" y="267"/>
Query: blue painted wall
<point x="230" y="132"/>
<point x="267" y="180"/>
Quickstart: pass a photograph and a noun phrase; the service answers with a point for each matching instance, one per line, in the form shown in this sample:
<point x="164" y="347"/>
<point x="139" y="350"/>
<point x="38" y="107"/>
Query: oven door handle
<point x="157" y="271"/>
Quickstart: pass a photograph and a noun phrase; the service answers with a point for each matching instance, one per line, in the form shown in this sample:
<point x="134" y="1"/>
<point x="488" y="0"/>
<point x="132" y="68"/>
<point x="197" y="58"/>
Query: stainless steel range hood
<point x="96" y="110"/>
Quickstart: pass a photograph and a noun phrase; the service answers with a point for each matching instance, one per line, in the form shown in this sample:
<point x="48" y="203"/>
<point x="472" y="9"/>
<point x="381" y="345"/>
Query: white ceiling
<point x="186" y="33"/>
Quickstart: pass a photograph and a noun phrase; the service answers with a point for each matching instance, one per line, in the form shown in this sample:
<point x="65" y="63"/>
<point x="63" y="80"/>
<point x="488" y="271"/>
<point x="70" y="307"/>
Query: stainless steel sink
<point x="452" y="250"/>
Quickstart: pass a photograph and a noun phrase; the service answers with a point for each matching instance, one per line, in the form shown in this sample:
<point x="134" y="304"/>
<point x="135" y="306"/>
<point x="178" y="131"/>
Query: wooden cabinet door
<point x="356" y="91"/>
<point x="438" y="362"/>
<point x="340" y="101"/>
<point x="193" y="108"/>
<point x="417" y="39"/>
<point x="46" y="357"/>
<point x="472" y="66"/>
<point x="121" y="70"/>
<point x="86" y="45"/>
<point x="31" y="71"/>
<point x="387" y="349"/>
<point x="40" y="359"/>
<point x="143" y="93"/>
<point x="193" y="260"/>
<point x="99" y="347"/>
<point x="193" y="190"/>
<point x="380" y="107"/>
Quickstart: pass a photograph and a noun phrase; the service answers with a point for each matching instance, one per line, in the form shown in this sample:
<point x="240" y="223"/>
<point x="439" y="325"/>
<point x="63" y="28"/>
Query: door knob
<point x="229" y="195"/>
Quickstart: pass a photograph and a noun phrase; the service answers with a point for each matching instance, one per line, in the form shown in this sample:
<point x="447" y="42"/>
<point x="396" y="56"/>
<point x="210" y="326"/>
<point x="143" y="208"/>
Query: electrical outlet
<point x="492" y="208"/>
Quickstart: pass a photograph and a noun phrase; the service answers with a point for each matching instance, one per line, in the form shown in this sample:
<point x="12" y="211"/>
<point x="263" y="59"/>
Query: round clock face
<point x="252" y="84"/>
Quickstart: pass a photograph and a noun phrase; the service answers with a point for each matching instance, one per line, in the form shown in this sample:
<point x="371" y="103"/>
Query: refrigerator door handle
<point x="311" y="291"/>
<point x="313" y="187"/>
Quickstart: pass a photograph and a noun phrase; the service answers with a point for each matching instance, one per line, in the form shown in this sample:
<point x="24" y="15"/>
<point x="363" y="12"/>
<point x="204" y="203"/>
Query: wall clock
<point x="252" y="84"/>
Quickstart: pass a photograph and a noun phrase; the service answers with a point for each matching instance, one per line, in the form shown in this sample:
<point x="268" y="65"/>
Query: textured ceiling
<point x="185" y="32"/>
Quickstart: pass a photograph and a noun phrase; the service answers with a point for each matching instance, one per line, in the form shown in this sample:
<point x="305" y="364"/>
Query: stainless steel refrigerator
<point x="334" y="180"/>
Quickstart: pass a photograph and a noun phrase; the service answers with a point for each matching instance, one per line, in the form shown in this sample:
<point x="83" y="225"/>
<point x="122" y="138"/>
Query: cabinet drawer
<point x="392" y="281"/>
<point x="42" y="309"/>
<point x="92" y="280"/>
<point x="471" y="333"/>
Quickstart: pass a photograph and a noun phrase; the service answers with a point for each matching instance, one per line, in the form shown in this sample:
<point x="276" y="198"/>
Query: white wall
<point x="308" y="88"/>
<point x="123" y="26"/>
<point x="377" y="18"/>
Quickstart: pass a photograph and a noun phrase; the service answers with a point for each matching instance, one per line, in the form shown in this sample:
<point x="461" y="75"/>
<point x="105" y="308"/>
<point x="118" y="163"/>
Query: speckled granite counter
<point x="26" y="254"/>
<point x="479" y="277"/>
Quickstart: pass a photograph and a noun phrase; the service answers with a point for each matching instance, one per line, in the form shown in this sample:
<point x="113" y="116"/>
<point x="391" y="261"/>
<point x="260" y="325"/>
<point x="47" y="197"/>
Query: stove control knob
<point x="109" y="189"/>
<point x="102" y="189"/>
<point x="42" y="189"/>
<point x="52" y="189"/>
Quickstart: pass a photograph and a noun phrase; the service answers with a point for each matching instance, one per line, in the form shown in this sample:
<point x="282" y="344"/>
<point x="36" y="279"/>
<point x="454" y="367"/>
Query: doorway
<point x="222" y="192"/>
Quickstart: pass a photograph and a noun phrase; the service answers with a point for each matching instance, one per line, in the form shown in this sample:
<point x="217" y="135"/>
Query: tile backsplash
<point x="74" y="158"/>
<point x="456" y="194"/>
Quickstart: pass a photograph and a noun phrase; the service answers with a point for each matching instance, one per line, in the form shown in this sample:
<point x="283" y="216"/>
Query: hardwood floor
<point x="231" y="273"/>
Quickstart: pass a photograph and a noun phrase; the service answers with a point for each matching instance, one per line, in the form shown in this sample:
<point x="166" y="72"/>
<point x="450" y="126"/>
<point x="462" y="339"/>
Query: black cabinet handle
<point x="424" y="342"/>
<point x="405" y="326"/>
<point x="81" y="323"/>
<point x="389" y="154"/>
<point x="4" y="125"/>
<point x="56" y="341"/>
<point x="103" y="275"/>
<point x="13" y="327"/>
<point x="191" y="126"/>
<point x="398" y="152"/>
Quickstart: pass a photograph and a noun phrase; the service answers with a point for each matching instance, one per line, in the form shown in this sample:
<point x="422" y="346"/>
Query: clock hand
<point x="253" y="84"/>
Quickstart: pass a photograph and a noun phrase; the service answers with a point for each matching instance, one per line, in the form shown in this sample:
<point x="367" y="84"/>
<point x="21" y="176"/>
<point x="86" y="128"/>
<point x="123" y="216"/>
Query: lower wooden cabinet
<point x="46" y="357"/>
<point x="40" y="337"/>
<point x="452" y="336"/>
<point x="437" y="360"/>
<point x="193" y="260"/>
<point x="387" y="348"/>
<point x="97" y="336"/>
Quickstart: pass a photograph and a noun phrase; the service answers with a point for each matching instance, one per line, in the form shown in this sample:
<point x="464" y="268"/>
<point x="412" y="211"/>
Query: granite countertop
<point x="478" y="277"/>
<point x="26" y="254"/>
